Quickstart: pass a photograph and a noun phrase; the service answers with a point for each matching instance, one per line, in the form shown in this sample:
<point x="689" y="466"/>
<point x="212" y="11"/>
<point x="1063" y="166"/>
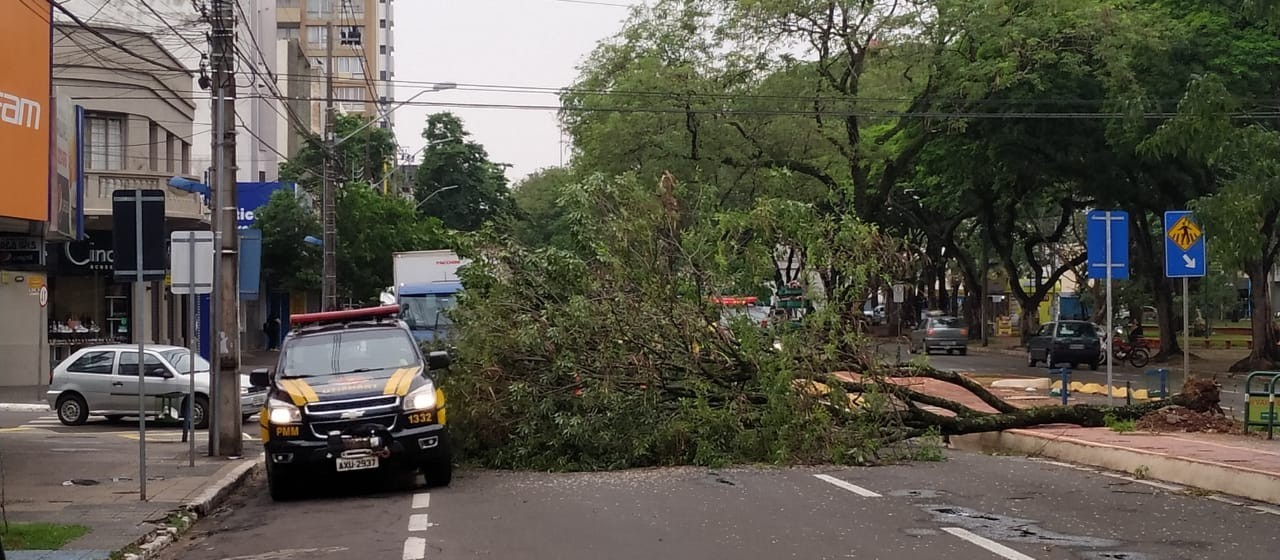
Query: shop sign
<point x="94" y="254"/>
<point x="21" y="251"/>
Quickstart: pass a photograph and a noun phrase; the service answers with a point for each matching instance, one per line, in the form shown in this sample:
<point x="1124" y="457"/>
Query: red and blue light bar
<point x="346" y="315"/>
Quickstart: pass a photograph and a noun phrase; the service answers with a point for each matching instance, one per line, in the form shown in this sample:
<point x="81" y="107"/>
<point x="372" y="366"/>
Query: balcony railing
<point x="178" y="204"/>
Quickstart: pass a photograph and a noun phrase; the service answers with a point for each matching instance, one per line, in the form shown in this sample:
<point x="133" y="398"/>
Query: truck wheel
<point x="438" y="473"/>
<point x="281" y="487"/>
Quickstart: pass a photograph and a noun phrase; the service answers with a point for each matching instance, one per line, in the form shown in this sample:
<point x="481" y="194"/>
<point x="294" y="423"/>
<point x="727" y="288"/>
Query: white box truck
<point x="426" y="286"/>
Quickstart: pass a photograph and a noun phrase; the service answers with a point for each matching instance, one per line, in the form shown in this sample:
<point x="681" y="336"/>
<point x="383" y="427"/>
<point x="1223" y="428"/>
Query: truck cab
<point x="424" y="307"/>
<point x="352" y="391"/>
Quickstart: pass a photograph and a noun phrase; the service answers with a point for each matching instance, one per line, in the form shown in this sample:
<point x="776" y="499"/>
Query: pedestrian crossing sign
<point x="1185" y="232"/>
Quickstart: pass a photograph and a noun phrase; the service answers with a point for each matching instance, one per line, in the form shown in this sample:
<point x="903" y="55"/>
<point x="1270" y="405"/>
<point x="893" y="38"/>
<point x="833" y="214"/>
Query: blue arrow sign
<point x="1184" y="243"/>
<point x="1098" y="222"/>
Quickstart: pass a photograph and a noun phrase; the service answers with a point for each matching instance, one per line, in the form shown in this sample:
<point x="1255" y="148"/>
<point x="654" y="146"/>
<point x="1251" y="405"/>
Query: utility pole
<point x="329" y="280"/>
<point x="225" y="430"/>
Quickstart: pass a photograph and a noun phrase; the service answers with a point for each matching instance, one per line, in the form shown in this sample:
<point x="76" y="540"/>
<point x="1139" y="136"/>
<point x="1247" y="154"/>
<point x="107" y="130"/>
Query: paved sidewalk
<point x="89" y="476"/>
<point x="1237" y="465"/>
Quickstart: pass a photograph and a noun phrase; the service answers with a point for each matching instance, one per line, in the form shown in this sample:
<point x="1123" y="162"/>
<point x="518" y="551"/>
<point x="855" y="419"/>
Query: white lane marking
<point x="847" y="486"/>
<point x="1160" y="485"/>
<point x="418" y="522"/>
<point x="995" y="547"/>
<point x="421" y="500"/>
<point x="415" y="548"/>
<point x="1265" y="509"/>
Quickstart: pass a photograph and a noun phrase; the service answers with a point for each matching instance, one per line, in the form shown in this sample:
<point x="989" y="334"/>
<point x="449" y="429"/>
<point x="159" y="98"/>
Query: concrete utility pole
<point x="329" y="206"/>
<point x="225" y="430"/>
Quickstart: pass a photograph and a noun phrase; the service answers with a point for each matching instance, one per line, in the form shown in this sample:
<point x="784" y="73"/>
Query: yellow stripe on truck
<point x="440" y="417"/>
<point x="393" y="384"/>
<point x="308" y="392"/>
<point x="295" y="392"/>
<point x="407" y="381"/>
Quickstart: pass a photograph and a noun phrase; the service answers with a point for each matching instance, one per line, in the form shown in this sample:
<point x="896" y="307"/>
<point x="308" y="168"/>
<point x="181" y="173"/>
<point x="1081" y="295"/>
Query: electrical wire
<point x="111" y="41"/>
<point x="166" y="23"/>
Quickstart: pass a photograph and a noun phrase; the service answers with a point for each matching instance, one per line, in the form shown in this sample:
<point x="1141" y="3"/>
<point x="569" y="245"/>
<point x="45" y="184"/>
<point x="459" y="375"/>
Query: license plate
<point x="1077" y="347"/>
<point x="357" y="463"/>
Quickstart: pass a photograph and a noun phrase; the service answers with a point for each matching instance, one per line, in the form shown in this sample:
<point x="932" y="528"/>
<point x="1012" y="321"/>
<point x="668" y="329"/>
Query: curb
<point x="1244" y="482"/>
<point x="24" y="407"/>
<point x="152" y="543"/>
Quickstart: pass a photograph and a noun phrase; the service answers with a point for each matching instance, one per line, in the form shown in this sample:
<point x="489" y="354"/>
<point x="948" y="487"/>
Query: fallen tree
<point x="616" y="356"/>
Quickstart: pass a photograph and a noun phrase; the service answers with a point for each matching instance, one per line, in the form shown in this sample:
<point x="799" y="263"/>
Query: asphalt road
<point x="969" y="507"/>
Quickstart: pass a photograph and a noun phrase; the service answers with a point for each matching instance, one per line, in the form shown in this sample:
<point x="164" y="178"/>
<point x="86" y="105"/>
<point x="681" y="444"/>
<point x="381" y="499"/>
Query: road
<point x="999" y="364"/>
<point x="969" y="507"/>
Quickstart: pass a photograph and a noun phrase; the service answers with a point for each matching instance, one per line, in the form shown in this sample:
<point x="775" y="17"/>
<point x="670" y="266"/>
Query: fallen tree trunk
<point x="1200" y="395"/>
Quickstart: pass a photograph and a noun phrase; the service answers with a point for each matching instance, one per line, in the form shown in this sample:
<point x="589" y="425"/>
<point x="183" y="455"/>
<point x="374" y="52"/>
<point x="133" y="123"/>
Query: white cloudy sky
<point x="535" y="43"/>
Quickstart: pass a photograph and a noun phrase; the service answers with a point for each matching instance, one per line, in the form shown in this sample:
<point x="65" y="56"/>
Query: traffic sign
<point x="1098" y="222"/>
<point x="192" y="262"/>
<point x="138" y="235"/>
<point x="1184" y="245"/>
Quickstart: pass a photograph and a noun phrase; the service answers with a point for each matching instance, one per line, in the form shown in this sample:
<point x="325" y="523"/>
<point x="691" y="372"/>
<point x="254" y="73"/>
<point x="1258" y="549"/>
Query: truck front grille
<point x="322" y="429"/>
<point x="338" y="407"/>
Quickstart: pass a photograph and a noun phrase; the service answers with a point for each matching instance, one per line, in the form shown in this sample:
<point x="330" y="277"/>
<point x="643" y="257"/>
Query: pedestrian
<point x="272" y="329"/>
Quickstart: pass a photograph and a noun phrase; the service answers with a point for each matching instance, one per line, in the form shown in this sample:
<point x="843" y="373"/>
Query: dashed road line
<point x="415" y="548"/>
<point x="847" y="486"/>
<point x="992" y="546"/>
<point x="418" y="523"/>
<point x="1228" y="501"/>
<point x="421" y="500"/>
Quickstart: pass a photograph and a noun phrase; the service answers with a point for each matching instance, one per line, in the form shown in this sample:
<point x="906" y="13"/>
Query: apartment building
<point x="363" y="49"/>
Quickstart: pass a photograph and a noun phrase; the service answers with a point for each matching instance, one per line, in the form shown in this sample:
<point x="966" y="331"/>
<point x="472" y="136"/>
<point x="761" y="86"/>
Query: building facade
<point x="363" y="50"/>
<point x="27" y="125"/>
<point x="137" y="119"/>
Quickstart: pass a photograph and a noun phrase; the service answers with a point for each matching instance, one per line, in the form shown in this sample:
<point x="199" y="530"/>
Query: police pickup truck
<point x="352" y="392"/>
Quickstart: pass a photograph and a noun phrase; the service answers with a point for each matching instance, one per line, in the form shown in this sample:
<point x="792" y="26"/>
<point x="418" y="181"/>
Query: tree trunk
<point x="974" y="298"/>
<point x="1264" y="354"/>
<point x="1167" y="318"/>
<point x="1029" y="317"/>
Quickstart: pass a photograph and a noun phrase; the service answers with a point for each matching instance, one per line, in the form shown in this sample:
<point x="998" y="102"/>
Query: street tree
<point x="288" y="262"/>
<point x="542" y="220"/>
<point x="366" y="154"/>
<point x="456" y="182"/>
<point x="372" y="226"/>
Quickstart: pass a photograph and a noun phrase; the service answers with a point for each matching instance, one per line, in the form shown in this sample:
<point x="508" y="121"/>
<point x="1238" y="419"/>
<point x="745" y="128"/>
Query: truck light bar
<point x="345" y="315"/>
<point x="735" y="300"/>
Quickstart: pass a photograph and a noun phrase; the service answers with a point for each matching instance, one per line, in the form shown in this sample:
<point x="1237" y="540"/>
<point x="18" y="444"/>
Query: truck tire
<point x="282" y="488"/>
<point x="438" y="473"/>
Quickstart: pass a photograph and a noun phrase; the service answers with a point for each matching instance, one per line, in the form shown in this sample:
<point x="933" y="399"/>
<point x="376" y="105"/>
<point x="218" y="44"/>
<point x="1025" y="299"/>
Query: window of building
<point x="351" y="98"/>
<point x="348" y="65"/>
<point x="317" y="36"/>
<point x="170" y="153"/>
<point x="285" y="33"/>
<point x="356" y="7"/>
<point x="106" y="141"/>
<point x="382" y="75"/>
<point x="319" y="8"/>
<point x="155" y="139"/>
<point x="186" y="159"/>
<point x="382" y="23"/>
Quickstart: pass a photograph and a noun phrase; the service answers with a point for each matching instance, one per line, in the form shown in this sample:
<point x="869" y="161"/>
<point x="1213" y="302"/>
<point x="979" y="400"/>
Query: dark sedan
<point x="1065" y="342"/>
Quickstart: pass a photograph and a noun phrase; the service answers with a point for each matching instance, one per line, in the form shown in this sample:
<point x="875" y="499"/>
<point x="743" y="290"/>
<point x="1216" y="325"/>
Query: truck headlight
<point x="280" y="413"/>
<point x="422" y="398"/>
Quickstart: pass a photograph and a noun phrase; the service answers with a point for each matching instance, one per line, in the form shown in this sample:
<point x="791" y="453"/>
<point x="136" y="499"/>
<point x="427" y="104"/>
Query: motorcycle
<point x="1136" y="355"/>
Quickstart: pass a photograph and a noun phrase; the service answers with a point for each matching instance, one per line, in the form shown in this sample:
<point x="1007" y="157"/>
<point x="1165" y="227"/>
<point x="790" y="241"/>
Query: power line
<point x="111" y="41"/>
<point x="166" y="23"/>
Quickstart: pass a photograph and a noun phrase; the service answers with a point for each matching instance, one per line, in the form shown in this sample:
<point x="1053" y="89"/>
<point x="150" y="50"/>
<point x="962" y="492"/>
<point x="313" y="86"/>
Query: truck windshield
<point x="348" y="352"/>
<point x="427" y="310"/>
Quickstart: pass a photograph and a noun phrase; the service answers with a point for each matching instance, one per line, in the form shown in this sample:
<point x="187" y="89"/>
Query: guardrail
<point x="1260" y="406"/>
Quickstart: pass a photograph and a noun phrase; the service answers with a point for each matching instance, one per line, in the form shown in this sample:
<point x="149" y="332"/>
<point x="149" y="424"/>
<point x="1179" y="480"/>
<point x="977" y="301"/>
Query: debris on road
<point x="1182" y="419"/>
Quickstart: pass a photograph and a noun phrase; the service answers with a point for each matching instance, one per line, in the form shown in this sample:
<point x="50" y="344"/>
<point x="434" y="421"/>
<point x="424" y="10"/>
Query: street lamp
<point x="440" y="86"/>
<point x="433" y="193"/>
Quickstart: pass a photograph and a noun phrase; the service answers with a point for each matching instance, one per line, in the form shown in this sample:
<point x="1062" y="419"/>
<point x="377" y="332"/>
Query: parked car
<point x="103" y="381"/>
<point x="1069" y="342"/>
<point x="940" y="333"/>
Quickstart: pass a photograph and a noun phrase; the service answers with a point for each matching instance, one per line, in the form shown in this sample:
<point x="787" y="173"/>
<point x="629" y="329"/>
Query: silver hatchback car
<point x="103" y="381"/>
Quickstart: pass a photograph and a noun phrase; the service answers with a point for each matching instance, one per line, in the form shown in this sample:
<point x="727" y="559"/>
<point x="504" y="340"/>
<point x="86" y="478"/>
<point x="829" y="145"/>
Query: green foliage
<point x="40" y="536"/>
<point x="288" y="262"/>
<point x="364" y="155"/>
<point x="613" y="357"/>
<point x="542" y="221"/>
<point x="456" y="182"/>
<point x="1120" y="426"/>
<point x="372" y="226"/>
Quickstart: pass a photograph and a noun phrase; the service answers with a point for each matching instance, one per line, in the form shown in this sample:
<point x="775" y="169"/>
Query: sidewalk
<point x="89" y="477"/>
<point x="1231" y="464"/>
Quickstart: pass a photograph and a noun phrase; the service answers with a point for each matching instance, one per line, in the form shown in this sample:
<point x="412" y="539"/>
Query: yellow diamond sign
<point x="1185" y="233"/>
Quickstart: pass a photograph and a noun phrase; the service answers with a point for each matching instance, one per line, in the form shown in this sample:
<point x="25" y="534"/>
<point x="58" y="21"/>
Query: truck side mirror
<point x="438" y="360"/>
<point x="260" y="377"/>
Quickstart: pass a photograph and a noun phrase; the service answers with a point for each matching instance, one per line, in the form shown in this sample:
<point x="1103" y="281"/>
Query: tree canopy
<point x="456" y="182"/>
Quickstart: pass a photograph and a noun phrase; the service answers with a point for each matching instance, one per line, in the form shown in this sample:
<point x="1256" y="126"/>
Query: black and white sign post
<point x="192" y="263"/>
<point x="138" y="233"/>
